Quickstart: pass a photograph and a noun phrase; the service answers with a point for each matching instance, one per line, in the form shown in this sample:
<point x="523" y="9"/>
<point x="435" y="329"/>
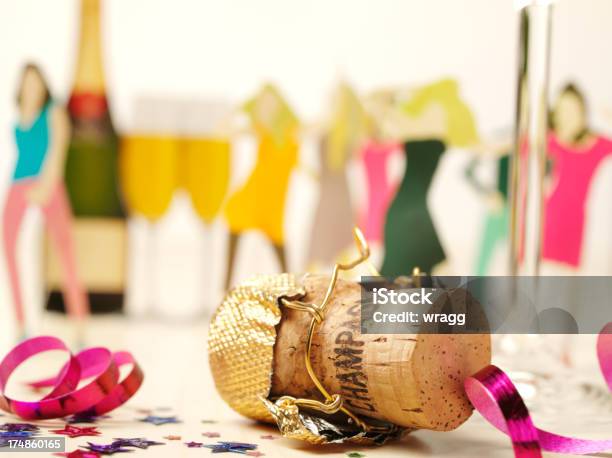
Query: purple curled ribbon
<point x="496" y="398"/>
<point x="105" y="392"/>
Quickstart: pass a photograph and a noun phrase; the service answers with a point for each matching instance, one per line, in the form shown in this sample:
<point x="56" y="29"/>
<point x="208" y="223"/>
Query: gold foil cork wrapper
<point x="241" y="350"/>
<point x="241" y="342"/>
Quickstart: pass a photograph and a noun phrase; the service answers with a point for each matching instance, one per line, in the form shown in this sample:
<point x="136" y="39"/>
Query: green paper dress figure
<point x="433" y="118"/>
<point x="497" y="219"/>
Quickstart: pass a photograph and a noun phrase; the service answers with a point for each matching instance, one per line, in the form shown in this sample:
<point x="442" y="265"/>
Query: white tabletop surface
<point x="178" y="382"/>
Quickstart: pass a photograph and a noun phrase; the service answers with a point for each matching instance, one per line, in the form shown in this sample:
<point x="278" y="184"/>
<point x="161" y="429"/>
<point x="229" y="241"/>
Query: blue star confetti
<point x="16" y="434"/>
<point x="159" y="420"/>
<point x="138" y="442"/>
<point x="231" y="447"/>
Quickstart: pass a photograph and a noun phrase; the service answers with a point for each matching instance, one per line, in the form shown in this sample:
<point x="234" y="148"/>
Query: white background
<point x="185" y="48"/>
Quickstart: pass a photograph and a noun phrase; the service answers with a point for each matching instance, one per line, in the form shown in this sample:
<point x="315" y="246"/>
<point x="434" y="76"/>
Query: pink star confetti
<point x="211" y="434"/>
<point x="254" y="453"/>
<point x="193" y="444"/>
<point x="75" y="431"/>
<point x="269" y="437"/>
<point x="79" y="454"/>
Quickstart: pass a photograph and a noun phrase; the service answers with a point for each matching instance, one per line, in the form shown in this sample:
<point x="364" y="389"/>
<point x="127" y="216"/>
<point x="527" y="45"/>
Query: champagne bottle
<point x="92" y="175"/>
<point x="91" y="168"/>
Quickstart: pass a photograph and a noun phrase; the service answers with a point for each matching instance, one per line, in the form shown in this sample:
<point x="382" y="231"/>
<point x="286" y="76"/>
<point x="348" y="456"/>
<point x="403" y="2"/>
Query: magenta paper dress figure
<point x="572" y="172"/>
<point x="375" y="157"/>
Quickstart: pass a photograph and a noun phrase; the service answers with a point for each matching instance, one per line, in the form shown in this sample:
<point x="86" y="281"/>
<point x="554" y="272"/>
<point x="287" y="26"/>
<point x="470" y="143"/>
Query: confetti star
<point x="235" y="447"/>
<point x="355" y="455"/>
<point x="75" y="431"/>
<point x="159" y="420"/>
<point x="173" y="438"/>
<point x="19" y="427"/>
<point x="193" y="444"/>
<point x="254" y="453"/>
<point x="79" y="454"/>
<point x="105" y="449"/>
<point x="218" y="448"/>
<point x="211" y="434"/>
<point x="268" y="437"/>
<point x="208" y="422"/>
<point x="138" y="442"/>
<point x="16" y="434"/>
<point x="240" y="445"/>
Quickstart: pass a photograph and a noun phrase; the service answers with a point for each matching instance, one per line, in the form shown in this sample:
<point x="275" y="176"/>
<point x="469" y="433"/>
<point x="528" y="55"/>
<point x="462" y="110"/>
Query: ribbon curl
<point x="105" y="392"/>
<point x="496" y="398"/>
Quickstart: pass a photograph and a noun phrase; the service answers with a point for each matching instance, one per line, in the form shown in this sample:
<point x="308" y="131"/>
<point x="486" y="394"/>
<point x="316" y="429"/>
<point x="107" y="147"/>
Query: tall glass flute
<point x="540" y="364"/>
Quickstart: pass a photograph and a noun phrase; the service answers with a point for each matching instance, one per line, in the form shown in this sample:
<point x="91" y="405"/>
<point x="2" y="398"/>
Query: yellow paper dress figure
<point x="148" y="168"/>
<point x="260" y="203"/>
<point x="206" y="173"/>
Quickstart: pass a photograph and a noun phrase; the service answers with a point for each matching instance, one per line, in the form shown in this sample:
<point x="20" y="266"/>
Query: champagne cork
<point x="411" y="380"/>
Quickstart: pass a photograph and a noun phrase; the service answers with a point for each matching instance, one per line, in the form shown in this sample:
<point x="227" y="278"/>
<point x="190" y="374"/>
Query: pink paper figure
<point x="42" y="135"/>
<point x="575" y="153"/>
<point x="375" y="156"/>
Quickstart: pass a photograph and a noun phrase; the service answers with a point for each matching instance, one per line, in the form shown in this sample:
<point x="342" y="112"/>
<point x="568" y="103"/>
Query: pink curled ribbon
<point x="106" y="391"/>
<point x="496" y="398"/>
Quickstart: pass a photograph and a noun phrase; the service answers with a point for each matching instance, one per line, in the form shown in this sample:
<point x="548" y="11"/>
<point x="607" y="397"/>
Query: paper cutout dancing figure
<point x="334" y="217"/>
<point x="497" y="221"/>
<point x="575" y="152"/>
<point x="434" y="117"/>
<point x="375" y="154"/>
<point x="260" y="203"/>
<point x="42" y="135"/>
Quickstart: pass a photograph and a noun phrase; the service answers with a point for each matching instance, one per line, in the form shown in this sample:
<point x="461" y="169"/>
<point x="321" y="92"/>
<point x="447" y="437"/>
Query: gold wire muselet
<point x="333" y="403"/>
